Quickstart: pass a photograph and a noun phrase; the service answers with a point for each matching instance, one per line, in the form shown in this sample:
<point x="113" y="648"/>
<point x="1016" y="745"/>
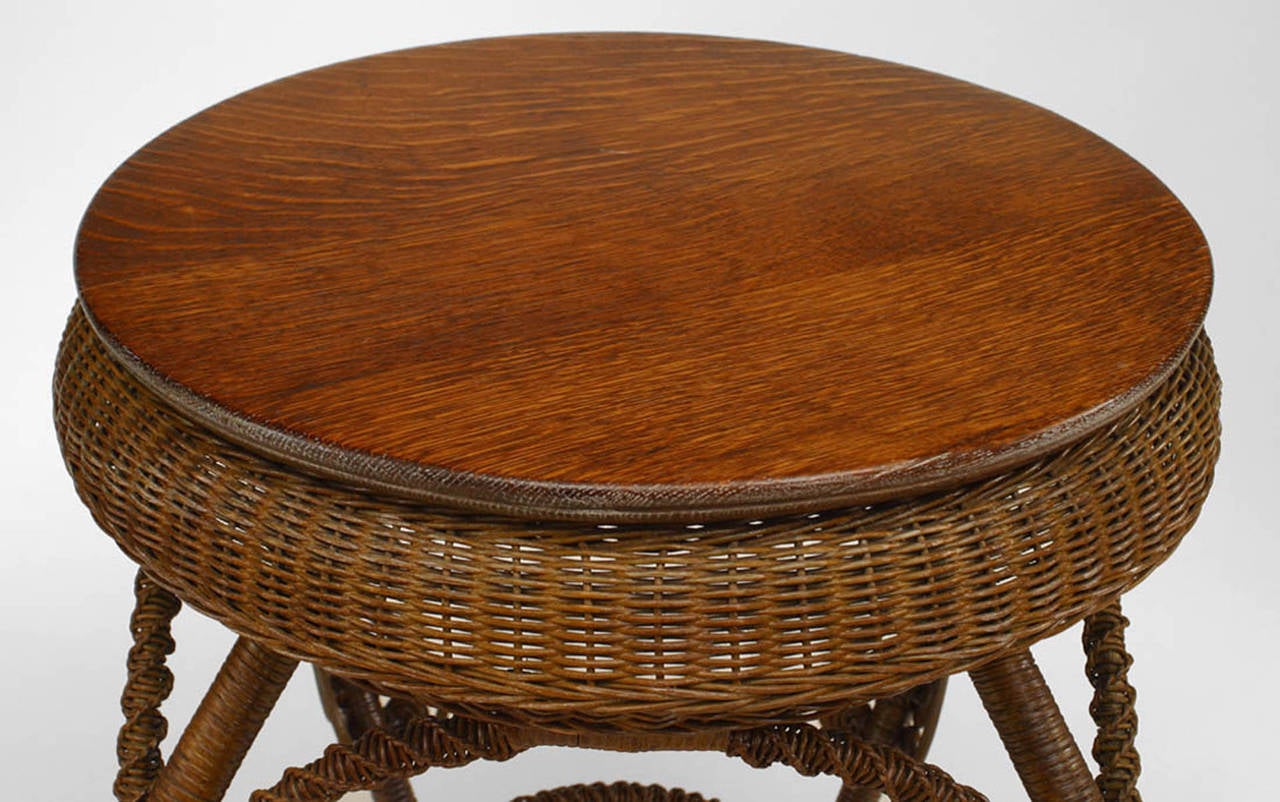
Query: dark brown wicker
<point x="614" y="792"/>
<point x="643" y="627"/>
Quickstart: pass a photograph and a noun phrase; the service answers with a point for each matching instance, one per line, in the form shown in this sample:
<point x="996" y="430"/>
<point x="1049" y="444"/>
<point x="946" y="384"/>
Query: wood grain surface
<point x="632" y="276"/>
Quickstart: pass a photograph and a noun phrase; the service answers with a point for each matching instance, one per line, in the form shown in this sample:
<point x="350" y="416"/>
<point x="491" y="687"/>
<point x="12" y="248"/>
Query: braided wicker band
<point x="424" y="742"/>
<point x="639" y="627"/>
<point x="149" y="684"/>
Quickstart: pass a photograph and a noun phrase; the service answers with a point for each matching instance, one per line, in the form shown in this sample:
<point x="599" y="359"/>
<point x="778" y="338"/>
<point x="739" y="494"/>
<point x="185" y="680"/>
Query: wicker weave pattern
<point x="406" y="738"/>
<point x="639" y="627"/>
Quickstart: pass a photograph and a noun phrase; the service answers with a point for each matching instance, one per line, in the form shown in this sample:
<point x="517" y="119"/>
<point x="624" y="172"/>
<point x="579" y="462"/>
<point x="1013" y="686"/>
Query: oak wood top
<point x="630" y="276"/>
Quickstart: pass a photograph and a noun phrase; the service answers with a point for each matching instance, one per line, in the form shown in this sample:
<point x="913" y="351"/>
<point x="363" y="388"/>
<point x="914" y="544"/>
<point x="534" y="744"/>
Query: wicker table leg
<point x="227" y="721"/>
<point x="1031" y="726"/>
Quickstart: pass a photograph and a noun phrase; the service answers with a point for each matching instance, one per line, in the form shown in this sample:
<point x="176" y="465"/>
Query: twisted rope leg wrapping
<point x="1107" y="666"/>
<point x="424" y="741"/>
<point x="354" y="711"/>
<point x="906" y="721"/>
<point x="810" y="751"/>
<point x="379" y="755"/>
<point x="148" y="685"/>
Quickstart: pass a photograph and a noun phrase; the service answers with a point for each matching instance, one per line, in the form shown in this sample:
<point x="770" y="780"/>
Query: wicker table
<point x="635" y="392"/>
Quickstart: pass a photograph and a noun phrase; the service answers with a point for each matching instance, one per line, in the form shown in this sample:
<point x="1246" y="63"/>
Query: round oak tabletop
<point x="635" y="276"/>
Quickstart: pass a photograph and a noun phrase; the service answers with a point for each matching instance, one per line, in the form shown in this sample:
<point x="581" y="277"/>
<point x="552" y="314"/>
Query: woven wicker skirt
<point x="634" y="626"/>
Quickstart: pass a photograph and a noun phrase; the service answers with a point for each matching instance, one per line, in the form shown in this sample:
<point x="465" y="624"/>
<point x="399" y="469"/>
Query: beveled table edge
<point x="627" y="503"/>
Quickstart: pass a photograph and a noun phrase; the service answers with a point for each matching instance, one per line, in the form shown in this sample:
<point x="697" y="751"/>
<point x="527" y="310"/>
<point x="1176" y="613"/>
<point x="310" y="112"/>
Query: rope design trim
<point x="427" y="742"/>
<point x="381" y="754"/>
<point x="148" y="684"/>
<point x="1107" y="665"/>
<point x="906" y="721"/>
<point x="352" y="711"/>
<point x="810" y="751"/>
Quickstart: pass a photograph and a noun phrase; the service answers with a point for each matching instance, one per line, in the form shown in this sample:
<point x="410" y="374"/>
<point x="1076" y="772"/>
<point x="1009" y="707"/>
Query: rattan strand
<point x="643" y="627"/>
<point x="1107" y="667"/>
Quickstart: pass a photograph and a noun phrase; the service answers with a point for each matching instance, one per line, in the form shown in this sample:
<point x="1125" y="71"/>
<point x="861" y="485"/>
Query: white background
<point x="1189" y="89"/>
